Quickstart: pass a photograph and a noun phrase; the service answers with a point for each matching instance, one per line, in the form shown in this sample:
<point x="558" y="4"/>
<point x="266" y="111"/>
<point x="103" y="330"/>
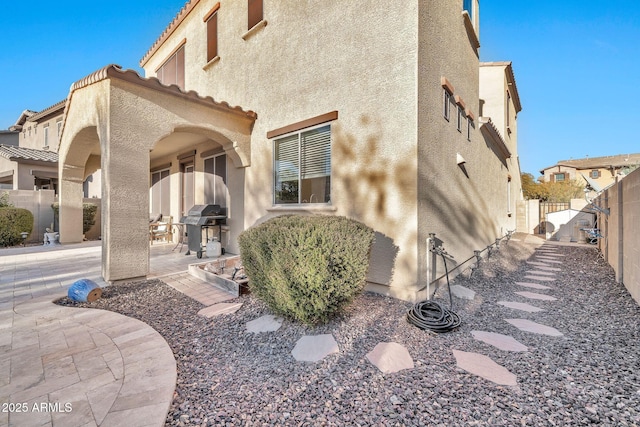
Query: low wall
<point x="620" y="245"/>
<point x="39" y="202"/>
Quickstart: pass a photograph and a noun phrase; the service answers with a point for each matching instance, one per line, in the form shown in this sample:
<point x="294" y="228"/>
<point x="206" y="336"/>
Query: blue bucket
<point x="84" y="290"/>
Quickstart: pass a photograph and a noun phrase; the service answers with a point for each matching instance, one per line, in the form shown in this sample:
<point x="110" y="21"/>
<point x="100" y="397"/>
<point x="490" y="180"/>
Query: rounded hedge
<point x="307" y="268"/>
<point x="14" y="221"/>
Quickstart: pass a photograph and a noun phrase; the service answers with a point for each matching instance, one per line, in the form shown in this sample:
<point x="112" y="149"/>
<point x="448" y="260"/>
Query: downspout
<point x="620" y="275"/>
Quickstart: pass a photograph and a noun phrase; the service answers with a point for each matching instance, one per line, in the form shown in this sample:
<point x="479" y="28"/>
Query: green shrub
<point x="88" y="215"/>
<point x="307" y="268"/>
<point x="14" y="221"/>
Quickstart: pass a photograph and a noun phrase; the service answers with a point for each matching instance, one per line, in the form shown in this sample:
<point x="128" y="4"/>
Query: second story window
<point x="559" y="177"/>
<point x="46" y="136"/>
<point x="595" y="174"/>
<point x="446" y="104"/>
<point x="460" y="118"/>
<point x="59" y="128"/>
<point x="255" y="13"/>
<point x="212" y="32"/>
<point x="172" y="71"/>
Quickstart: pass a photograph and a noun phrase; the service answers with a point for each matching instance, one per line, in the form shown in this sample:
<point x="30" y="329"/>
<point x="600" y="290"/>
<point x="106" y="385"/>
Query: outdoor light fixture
<point x="460" y="160"/>
<point x="24" y="235"/>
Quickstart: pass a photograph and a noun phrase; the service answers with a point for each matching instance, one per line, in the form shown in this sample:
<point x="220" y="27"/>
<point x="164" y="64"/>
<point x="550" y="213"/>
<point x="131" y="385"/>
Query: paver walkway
<point x="82" y="367"/>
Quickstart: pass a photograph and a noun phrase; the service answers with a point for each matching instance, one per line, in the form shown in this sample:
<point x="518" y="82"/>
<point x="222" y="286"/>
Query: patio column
<point x="125" y="202"/>
<point x="70" y="219"/>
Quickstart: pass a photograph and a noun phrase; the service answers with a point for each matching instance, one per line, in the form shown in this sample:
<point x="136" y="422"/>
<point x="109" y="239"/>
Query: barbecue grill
<point x="203" y="217"/>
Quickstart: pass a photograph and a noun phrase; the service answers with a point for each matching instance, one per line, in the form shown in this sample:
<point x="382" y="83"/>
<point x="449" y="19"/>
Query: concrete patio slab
<point x="312" y="348"/>
<point x="533" y="285"/>
<point x="390" y="357"/>
<point x="533" y="327"/>
<point x="266" y="323"/>
<point x="220" y="309"/>
<point x="534" y="295"/>
<point x="520" y="306"/>
<point x="503" y="342"/>
<point x="463" y="292"/>
<point x="485" y="367"/>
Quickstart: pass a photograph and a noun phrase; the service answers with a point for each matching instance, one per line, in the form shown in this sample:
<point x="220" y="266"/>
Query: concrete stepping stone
<point x="552" y="261"/>
<point x="390" y="357"/>
<point x="520" y="306"/>
<point x="219" y="309"/>
<point x="485" y="367"/>
<point x="312" y="348"/>
<point x="503" y="342"/>
<point x="533" y="285"/>
<point x="549" y="254"/>
<point x="534" y="295"/>
<point x="543" y="266"/>
<point x="544" y="273"/>
<point x="266" y="323"/>
<point x="533" y="327"/>
<point x="462" y="292"/>
<point x="540" y="278"/>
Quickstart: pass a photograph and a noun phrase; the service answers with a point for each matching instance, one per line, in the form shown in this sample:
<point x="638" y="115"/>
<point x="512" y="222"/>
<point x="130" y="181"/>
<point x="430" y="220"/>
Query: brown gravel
<point x="590" y="375"/>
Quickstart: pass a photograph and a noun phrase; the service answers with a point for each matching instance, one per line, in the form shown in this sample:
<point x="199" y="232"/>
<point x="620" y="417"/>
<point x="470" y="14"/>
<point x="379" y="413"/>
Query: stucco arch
<point x="118" y="117"/>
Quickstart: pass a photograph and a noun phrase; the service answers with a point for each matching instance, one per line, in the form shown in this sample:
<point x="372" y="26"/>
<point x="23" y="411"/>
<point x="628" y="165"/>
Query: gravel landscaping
<point x="590" y="375"/>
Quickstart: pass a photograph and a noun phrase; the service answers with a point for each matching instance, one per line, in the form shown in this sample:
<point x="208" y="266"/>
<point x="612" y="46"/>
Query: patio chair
<point x="161" y="229"/>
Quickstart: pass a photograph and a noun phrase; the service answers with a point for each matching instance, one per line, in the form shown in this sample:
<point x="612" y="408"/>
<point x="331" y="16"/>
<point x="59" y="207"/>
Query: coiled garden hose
<point x="431" y="315"/>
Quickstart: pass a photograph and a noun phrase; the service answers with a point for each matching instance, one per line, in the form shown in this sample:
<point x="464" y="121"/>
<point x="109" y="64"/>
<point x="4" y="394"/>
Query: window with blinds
<point x="212" y="36"/>
<point x="255" y="13"/>
<point x="215" y="180"/>
<point x="160" y="192"/>
<point x="302" y="165"/>
<point x="172" y="71"/>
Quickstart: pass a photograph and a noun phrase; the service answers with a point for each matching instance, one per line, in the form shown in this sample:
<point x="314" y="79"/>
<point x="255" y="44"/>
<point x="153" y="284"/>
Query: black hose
<point x="431" y="315"/>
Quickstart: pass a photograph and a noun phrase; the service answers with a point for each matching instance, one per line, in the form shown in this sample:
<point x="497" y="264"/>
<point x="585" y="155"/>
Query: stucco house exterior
<point x="599" y="172"/>
<point x="359" y="109"/>
<point x="32" y="162"/>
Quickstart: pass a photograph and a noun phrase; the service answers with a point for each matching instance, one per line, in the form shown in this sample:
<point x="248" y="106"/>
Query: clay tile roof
<point x="20" y="153"/>
<point x="55" y="108"/>
<point x="116" y="71"/>
<point x="186" y="9"/>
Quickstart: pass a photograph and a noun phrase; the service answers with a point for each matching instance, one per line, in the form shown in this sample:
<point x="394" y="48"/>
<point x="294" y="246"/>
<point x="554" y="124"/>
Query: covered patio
<point x="129" y="127"/>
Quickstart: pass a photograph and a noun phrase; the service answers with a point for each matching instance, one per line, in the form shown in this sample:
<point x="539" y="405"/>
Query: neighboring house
<point x="344" y="108"/>
<point x="599" y="172"/>
<point x="8" y="137"/>
<point x="32" y="163"/>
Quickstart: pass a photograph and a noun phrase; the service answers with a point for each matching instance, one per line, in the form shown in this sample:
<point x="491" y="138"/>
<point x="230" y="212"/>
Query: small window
<point x="469" y="126"/>
<point x="559" y="177"/>
<point x="460" y="118"/>
<point x="255" y="13"/>
<point x="172" y="71"/>
<point x="509" y="195"/>
<point x="595" y="174"/>
<point x="302" y="167"/>
<point x="212" y="33"/>
<point x="446" y="104"/>
<point x="59" y="128"/>
<point x="160" y="192"/>
<point x="46" y="136"/>
<point x="215" y="180"/>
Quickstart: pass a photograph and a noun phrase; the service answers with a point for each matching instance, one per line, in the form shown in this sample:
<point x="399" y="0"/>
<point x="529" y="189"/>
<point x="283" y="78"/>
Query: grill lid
<point x="205" y="210"/>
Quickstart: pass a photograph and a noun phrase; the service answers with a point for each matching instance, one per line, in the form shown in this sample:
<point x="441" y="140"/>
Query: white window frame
<point x="299" y="133"/>
<point x="446" y="104"/>
<point x="168" y="182"/>
<point x="225" y="177"/>
<point x="460" y="117"/>
<point x="46" y="135"/>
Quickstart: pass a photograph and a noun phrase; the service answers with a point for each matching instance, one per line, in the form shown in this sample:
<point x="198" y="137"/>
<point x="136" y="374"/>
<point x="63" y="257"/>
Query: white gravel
<point x="230" y="377"/>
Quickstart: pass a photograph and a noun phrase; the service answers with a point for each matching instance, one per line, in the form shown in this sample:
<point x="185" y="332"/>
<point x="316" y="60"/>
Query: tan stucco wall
<point x="368" y="76"/>
<point x="393" y="154"/>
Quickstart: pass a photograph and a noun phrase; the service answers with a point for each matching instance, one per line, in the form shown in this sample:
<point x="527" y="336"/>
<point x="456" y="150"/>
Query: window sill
<point x="471" y="32"/>
<point x="306" y="207"/>
<point x="254" y="30"/>
<point x="210" y="63"/>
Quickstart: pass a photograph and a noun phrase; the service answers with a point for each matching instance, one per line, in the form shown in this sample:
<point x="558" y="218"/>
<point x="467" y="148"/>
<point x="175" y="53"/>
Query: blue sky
<point x="576" y="64"/>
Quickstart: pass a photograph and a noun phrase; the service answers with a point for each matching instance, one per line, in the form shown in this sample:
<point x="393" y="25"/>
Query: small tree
<point x="4" y="200"/>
